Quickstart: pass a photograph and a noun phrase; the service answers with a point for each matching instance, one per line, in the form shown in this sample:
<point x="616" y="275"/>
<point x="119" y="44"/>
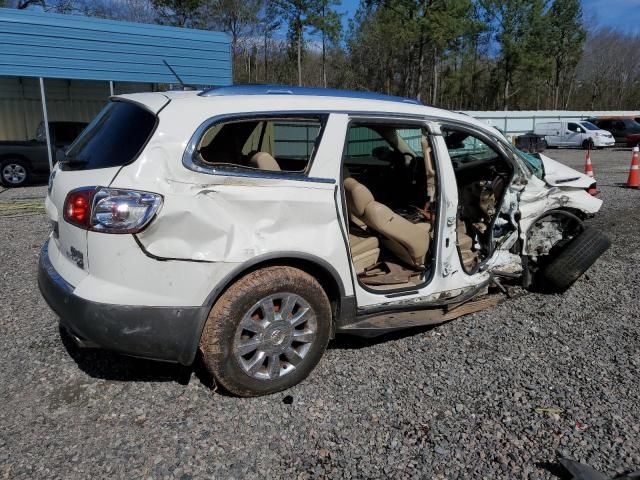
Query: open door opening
<point x="483" y="176"/>
<point x="391" y="188"/>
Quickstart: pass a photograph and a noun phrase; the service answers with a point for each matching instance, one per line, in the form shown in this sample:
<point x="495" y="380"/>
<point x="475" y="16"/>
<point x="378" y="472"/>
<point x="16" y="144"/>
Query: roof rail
<point x="311" y="91"/>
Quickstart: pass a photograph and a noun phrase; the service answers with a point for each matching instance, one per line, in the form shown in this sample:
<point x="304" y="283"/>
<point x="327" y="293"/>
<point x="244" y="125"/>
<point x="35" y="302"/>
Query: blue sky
<point x="618" y="14"/>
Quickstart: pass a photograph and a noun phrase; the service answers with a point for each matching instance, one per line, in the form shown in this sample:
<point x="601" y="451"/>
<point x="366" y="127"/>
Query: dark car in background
<point x="625" y="130"/>
<point x="22" y="161"/>
<point x="531" y="143"/>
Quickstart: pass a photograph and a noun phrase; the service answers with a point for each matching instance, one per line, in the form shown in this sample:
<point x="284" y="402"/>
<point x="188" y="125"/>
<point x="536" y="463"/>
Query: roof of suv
<point x="275" y="98"/>
<point x="306" y="91"/>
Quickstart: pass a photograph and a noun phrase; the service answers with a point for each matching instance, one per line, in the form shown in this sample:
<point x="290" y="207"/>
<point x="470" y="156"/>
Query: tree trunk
<point x="556" y="87"/>
<point x="266" y="78"/>
<point x="324" y="61"/>
<point x="234" y="44"/>
<point x="434" y="92"/>
<point x="299" y="35"/>
<point x="324" y="47"/>
<point x="507" y="79"/>
<point x="420" y="65"/>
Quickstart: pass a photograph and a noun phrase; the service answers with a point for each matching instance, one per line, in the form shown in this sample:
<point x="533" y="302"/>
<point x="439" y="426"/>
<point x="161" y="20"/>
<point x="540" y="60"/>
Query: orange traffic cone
<point x="634" y="172"/>
<point x="588" y="170"/>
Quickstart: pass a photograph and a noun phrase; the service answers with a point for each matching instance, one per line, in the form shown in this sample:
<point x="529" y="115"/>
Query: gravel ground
<point x="455" y="401"/>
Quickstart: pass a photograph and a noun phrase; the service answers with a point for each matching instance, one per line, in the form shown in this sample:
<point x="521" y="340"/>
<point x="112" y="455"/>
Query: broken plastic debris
<point x="551" y="411"/>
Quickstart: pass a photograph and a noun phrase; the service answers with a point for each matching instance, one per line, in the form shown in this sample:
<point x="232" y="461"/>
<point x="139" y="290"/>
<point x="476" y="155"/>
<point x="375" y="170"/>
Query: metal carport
<point x="46" y="45"/>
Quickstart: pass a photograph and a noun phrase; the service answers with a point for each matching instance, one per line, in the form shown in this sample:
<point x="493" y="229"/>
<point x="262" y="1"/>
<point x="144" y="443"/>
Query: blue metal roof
<point x="287" y="90"/>
<point x="37" y="44"/>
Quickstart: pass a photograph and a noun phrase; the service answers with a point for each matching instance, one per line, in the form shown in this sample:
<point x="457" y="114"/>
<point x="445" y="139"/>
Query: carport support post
<point x="46" y="124"/>
<point x="111" y="87"/>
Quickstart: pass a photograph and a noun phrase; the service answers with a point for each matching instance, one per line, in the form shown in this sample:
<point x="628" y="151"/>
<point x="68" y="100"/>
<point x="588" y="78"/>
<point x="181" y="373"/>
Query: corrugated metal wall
<point x="37" y="44"/>
<point x="515" y="123"/>
<point x="70" y="100"/>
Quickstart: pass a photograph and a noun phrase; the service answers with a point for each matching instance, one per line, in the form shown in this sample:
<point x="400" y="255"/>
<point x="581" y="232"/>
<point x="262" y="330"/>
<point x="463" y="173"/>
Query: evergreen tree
<point x="564" y="38"/>
<point x="299" y="15"/>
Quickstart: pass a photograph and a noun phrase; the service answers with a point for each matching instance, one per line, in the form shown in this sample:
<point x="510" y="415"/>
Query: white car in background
<point x="253" y="223"/>
<point x="581" y="134"/>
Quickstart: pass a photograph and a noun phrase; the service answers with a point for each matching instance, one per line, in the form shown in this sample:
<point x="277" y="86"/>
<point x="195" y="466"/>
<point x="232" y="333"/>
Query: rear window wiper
<point x="73" y="161"/>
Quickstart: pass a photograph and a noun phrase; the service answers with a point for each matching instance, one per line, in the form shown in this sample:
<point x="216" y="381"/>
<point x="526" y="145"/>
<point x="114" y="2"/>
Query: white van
<point x="574" y="134"/>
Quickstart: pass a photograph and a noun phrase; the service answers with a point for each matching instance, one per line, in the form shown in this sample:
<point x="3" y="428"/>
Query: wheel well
<point x="574" y="216"/>
<point x="324" y="274"/>
<point x="15" y="156"/>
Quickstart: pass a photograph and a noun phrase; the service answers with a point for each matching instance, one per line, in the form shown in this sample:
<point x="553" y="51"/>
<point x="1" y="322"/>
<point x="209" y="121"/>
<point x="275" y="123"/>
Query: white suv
<point x="254" y="223"/>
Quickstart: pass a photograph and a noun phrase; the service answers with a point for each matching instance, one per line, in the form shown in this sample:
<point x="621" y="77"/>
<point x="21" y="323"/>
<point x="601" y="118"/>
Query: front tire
<point x="588" y="145"/>
<point x="267" y="332"/>
<point x="14" y="173"/>
<point x="574" y="259"/>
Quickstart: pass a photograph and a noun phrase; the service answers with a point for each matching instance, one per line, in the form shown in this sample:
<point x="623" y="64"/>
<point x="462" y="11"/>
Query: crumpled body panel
<point x="239" y="219"/>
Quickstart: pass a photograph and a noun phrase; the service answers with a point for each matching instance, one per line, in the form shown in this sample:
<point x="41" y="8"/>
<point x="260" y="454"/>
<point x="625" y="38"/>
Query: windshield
<point x="533" y="162"/>
<point x="114" y="138"/>
<point x="589" y="126"/>
<point x="632" y="125"/>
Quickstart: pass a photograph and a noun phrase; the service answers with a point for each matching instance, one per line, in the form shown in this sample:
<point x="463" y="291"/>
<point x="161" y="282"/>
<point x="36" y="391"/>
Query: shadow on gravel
<point x="555" y="469"/>
<point x="349" y="342"/>
<point x="112" y="366"/>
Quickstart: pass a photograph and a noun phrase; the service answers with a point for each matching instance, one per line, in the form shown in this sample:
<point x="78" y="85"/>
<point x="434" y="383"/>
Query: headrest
<point x="264" y="161"/>
<point x="358" y="196"/>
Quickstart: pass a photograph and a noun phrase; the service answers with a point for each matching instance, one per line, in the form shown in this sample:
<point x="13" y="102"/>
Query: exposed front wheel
<point x="14" y="173"/>
<point x="574" y="259"/>
<point x="267" y="331"/>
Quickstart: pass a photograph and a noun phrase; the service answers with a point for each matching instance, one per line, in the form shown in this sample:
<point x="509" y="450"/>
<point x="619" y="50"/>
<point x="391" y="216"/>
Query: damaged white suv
<point x="253" y="223"/>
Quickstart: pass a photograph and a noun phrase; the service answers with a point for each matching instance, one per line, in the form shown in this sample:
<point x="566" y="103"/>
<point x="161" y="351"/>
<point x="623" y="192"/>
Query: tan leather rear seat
<point x="407" y="240"/>
<point x="264" y="161"/>
<point x="365" y="252"/>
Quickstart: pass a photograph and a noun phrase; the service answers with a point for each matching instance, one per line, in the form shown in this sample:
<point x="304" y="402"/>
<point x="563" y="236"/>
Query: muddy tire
<point x="267" y="332"/>
<point x="574" y="259"/>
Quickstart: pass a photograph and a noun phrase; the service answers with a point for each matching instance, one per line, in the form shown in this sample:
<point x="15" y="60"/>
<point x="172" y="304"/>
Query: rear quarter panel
<point x="229" y="220"/>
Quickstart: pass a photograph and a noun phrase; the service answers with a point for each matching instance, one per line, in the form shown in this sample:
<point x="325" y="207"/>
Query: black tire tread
<point x="22" y="162"/>
<point x="217" y="336"/>
<point x="575" y="259"/>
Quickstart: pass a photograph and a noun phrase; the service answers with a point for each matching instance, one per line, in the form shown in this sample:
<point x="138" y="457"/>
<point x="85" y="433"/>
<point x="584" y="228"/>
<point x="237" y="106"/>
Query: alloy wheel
<point x="274" y="336"/>
<point x="14" y="173"/>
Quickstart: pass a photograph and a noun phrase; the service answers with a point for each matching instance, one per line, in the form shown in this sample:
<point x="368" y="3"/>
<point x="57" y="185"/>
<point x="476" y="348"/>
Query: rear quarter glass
<point x="114" y="138"/>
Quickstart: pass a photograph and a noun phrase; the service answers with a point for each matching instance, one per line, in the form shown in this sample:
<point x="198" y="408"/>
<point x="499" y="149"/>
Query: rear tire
<point x="267" y="332"/>
<point x="14" y="173"/>
<point x="574" y="259"/>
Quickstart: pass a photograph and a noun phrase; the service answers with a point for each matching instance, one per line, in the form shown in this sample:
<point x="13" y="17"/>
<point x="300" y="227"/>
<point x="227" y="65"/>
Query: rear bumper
<point x="158" y="333"/>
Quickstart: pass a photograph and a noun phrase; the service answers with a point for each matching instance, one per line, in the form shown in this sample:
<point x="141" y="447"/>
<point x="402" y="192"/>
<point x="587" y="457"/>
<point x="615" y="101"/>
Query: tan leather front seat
<point x="264" y="161"/>
<point x="409" y="241"/>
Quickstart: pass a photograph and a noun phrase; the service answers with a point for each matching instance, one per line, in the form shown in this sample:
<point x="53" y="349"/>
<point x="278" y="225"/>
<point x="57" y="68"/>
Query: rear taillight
<point x="111" y="210"/>
<point x="123" y="211"/>
<point x="77" y="207"/>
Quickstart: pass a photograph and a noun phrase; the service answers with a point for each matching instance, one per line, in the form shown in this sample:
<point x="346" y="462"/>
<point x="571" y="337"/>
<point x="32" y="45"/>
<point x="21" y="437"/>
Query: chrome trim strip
<point x="187" y="157"/>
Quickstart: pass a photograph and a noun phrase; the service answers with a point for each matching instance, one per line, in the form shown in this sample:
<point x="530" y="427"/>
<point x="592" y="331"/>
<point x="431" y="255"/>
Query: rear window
<point x="114" y="138"/>
<point x="274" y="144"/>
